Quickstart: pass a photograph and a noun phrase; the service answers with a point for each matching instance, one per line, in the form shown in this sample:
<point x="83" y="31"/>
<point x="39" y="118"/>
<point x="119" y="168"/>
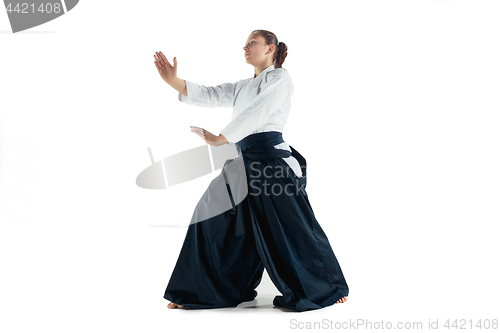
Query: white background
<point x="395" y="108"/>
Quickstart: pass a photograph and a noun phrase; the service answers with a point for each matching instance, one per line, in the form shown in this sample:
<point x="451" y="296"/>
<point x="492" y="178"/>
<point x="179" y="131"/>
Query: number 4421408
<point x="465" y="324"/>
<point x="25" y="8"/>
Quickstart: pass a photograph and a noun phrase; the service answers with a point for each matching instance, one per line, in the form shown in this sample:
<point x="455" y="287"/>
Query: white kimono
<point x="260" y="104"/>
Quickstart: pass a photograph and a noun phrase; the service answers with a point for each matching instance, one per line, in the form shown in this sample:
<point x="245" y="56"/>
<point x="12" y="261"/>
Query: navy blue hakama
<point x="223" y="257"/>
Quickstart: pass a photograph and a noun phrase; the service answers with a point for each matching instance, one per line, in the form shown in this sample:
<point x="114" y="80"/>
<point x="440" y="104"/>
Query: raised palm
<point x="167" y="72"/>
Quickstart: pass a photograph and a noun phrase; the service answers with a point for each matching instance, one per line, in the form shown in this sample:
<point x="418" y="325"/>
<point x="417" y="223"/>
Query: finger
<point x="158" y="62"/>
<point x="175" y="62"/>
<point x="161" y="53"/>
<point x="197" y="129"/>
<point x="201" y="136"/>
<point x="159" y="67"/>
<point x="164" y="59"/>
<point x="198" y="132"/>
<point x="160" y="59"/>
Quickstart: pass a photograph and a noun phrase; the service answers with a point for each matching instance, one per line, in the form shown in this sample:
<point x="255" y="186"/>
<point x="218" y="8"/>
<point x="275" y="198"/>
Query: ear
<point x="271" y="48"/>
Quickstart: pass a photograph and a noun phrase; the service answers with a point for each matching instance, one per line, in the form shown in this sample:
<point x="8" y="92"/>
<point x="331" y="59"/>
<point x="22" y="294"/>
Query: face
<point x="256" y="50"/>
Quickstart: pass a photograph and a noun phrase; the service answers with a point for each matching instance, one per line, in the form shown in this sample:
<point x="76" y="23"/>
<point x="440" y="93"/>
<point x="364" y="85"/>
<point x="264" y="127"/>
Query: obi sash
<point x="261" y="146"/>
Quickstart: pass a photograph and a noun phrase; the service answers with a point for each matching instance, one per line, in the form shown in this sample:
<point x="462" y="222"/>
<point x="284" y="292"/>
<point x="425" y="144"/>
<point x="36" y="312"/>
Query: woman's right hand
<point x="167" y="72"/>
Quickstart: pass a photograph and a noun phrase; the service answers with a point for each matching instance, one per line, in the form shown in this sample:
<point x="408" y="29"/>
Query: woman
<point x="223" y="257"/>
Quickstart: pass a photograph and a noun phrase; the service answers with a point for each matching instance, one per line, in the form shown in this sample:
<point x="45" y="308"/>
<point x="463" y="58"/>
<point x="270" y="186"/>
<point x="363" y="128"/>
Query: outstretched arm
<point x="193" y="93"/>
<point x="210" y="97"/>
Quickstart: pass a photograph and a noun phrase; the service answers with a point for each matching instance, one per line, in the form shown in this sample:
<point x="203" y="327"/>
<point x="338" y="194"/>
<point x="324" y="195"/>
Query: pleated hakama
<point x="223" y="257"/>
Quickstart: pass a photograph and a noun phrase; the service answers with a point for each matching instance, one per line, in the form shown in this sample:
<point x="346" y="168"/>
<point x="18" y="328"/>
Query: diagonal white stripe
<point x="64" y="6"/>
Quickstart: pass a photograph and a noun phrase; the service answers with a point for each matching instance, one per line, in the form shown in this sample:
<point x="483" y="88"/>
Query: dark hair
<point x="280" y="49"/>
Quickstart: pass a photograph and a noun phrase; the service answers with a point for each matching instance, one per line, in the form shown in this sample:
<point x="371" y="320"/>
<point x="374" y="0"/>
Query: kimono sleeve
<point x="273" y="94"/>
<point x="210" y="97"/>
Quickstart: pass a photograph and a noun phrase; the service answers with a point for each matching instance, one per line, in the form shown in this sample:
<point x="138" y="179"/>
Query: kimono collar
<point x="265" y="70"/>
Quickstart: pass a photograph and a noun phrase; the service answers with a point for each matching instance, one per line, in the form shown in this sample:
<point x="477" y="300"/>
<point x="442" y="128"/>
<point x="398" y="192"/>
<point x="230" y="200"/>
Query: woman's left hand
<point x="208" y="137"/>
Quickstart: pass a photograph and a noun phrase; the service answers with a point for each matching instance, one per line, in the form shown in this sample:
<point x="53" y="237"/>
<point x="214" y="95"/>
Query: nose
<point x="245" y="48"/>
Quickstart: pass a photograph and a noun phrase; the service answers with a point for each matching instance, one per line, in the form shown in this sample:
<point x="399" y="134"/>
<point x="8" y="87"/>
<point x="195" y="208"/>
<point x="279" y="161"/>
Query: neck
<point x="260" y="68"/>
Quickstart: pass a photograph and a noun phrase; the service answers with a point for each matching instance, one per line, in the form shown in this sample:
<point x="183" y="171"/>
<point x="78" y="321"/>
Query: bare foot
<point x="172" y="305"/>
<point x="342" y="300"/>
